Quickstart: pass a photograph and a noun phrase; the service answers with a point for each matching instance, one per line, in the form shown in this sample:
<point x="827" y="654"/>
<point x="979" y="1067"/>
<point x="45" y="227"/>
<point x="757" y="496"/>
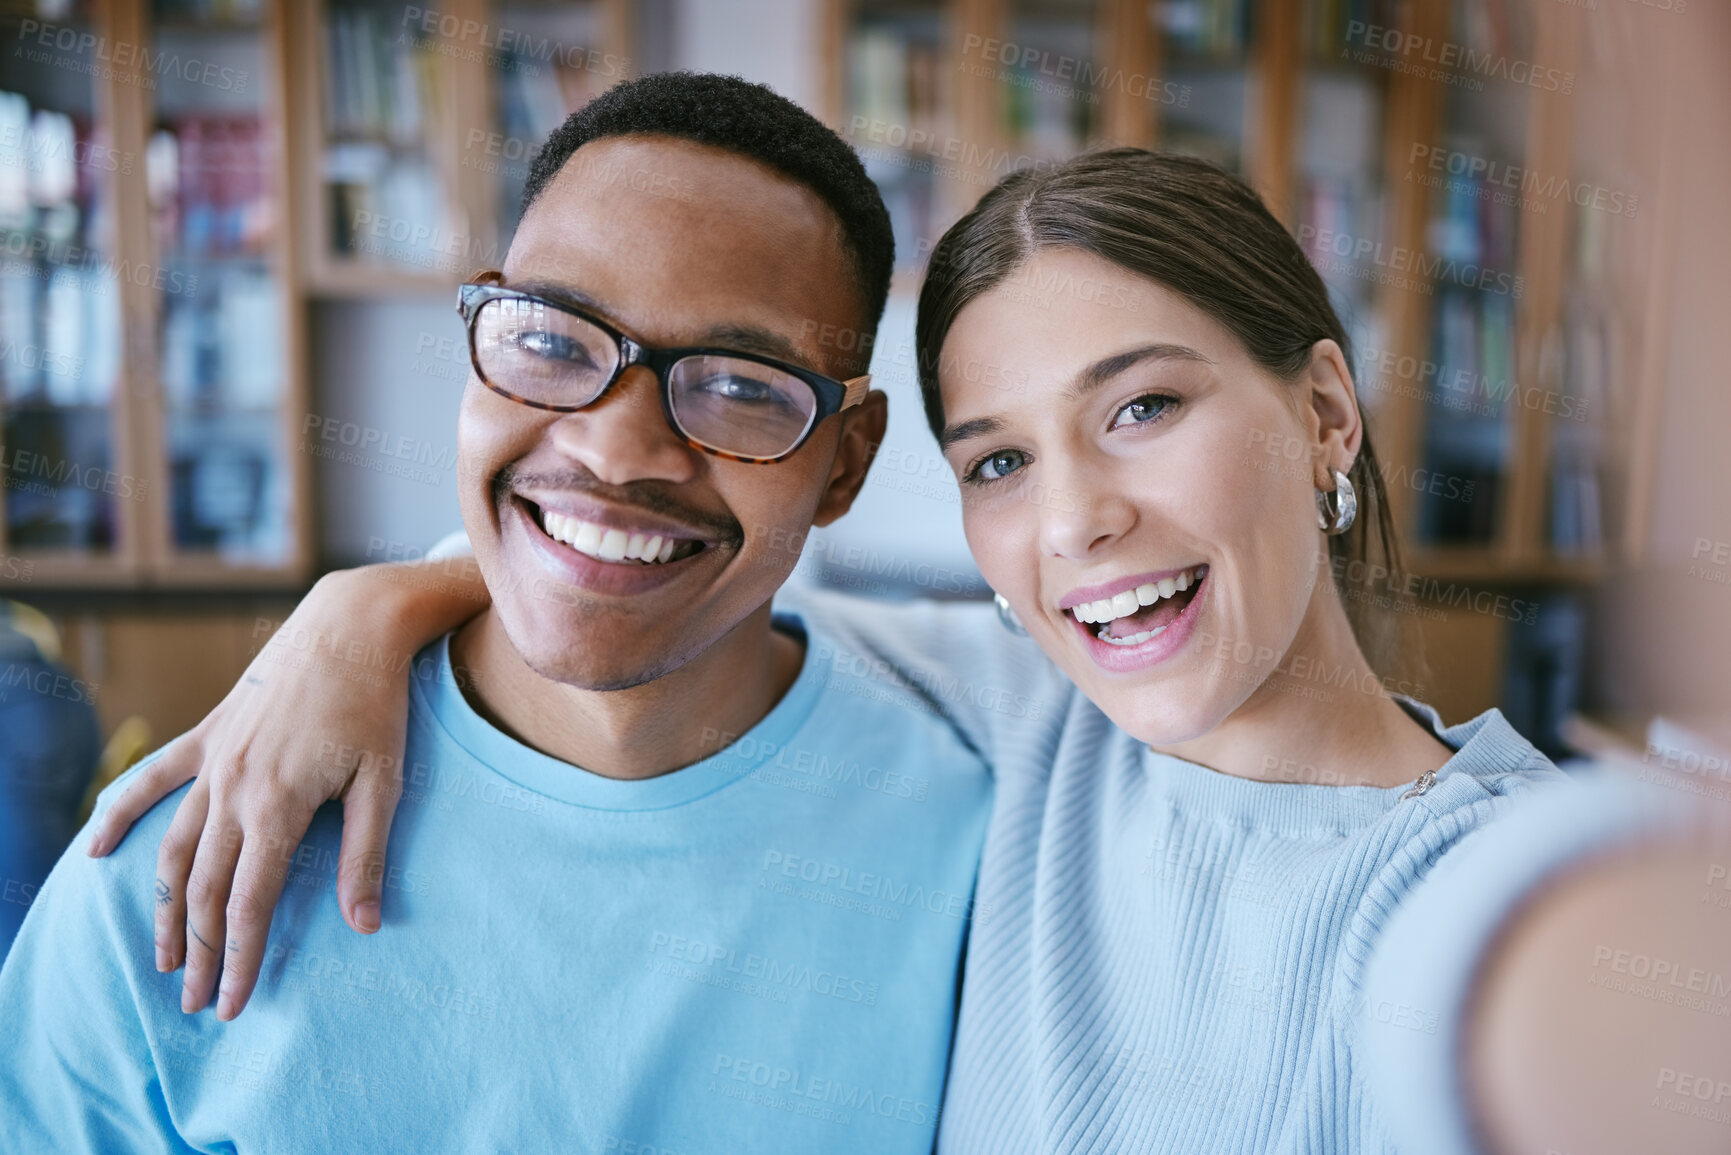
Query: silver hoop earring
<point x="1007" y="616"/>
<point x="1338" y="519"/>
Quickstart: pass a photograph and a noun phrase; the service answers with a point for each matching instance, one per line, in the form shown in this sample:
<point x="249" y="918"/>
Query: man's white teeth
<point x="607" y="544"/>
<point x="1124" y="604"/>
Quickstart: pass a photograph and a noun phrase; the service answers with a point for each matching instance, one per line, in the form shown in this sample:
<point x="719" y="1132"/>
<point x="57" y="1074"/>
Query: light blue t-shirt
<point x="759" y="952"/>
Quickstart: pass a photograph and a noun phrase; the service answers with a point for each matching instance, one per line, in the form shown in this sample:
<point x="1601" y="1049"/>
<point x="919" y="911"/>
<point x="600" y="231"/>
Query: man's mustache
<point x="649" y="496"/>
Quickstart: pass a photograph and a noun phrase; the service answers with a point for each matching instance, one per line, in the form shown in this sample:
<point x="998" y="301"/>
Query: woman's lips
<point x="1133" y="652"/>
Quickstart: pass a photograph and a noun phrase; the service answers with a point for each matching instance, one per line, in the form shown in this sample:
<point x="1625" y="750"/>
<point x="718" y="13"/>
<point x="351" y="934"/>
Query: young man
<point x="605" y="935"/>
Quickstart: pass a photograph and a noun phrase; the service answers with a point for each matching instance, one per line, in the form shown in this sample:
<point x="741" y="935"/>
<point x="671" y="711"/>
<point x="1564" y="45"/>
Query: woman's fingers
<point x="207" y="891"/>
<point x="178" y="762"/>
<point x="265" y="856"/>
<point x="173" y="865"/>
<point x="368" y="806"/>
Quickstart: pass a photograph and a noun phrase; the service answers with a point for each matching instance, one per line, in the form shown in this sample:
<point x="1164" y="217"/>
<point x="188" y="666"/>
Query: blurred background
<point x="230" y="230"/>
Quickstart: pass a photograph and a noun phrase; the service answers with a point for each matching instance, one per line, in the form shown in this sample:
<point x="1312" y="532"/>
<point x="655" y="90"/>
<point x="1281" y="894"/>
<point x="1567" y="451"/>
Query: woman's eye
<point x="997" y="465"/>
<point x="1149" y="407"/>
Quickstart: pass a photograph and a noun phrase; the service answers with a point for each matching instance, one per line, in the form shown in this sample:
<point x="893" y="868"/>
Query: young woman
<point x="1207" y="827"/>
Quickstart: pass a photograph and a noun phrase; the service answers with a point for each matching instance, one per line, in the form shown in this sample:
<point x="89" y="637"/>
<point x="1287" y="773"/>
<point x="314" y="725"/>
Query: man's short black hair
<point x="753" y="121"/>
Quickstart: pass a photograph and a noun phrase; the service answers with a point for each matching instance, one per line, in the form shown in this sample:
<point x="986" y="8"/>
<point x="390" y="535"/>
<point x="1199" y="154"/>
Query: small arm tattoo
<point x="163" y="894"/>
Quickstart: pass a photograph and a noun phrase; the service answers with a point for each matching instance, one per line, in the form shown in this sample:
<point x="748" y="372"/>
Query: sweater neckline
<point x="1484" y="746"/>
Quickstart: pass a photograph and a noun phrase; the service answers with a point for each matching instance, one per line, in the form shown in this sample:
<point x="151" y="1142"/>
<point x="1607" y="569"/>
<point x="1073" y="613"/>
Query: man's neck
<point x="641" y="732"/>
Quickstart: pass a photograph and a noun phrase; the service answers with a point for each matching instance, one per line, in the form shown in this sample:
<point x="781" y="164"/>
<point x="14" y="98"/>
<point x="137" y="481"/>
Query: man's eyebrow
<point x="977" y="427"/>
<point x="555" y="291"/>
<point x="740" y="337"/>
<point x="752" y="339"/>
<point x="1107" y="368"/>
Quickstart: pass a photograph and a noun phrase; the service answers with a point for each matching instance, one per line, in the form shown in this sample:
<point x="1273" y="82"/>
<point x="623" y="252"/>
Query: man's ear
<point x="1336" y="429"/>
<point x="862" y="431"/>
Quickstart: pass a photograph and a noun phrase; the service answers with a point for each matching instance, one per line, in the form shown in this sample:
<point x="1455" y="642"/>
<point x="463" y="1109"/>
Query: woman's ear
<point x="1336" y="429"/>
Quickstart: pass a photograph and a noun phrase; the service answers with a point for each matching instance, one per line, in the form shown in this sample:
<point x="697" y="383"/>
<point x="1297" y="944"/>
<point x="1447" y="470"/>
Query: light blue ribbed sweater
<point x="1164" y="958"/>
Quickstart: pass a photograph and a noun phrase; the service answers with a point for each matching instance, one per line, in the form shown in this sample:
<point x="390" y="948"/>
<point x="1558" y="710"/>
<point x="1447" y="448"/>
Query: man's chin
<point x="597" y="676"/>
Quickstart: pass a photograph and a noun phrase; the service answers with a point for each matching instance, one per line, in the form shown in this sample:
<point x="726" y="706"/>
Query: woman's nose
<point x="1080" y="511"/>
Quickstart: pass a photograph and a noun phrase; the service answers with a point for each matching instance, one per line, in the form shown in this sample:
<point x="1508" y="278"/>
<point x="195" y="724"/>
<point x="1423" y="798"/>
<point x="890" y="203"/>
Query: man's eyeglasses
<point x="555" y="356"/>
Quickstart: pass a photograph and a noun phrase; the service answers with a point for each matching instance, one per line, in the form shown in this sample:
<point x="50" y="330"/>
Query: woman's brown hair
<point x="1204" y="234"/>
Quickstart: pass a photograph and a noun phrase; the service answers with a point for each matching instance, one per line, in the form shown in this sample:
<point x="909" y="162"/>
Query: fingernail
<point x="98" y="847"/>
<point x="186" y="1004"/>
<point x="367" y="916"/>
<point x="162" y="960"/>
<point x="224" y="1007"/>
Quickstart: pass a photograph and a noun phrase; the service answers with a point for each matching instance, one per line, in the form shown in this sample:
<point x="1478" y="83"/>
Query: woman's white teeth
<point x="1132" y="640"/>
<point x="607" y="544"/>
<point x="1124" y="604"/>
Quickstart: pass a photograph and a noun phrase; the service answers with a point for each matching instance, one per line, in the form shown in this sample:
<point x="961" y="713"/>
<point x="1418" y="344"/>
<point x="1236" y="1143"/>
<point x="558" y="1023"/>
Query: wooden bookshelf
<point x="451" y="213"/>
<point x="198" y="480"/>
<point x="1265" y="53"/>
<point x="1271" y="83"/>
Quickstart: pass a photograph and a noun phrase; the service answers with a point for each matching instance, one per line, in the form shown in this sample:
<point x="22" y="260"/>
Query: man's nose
<point x="625" y="436"/>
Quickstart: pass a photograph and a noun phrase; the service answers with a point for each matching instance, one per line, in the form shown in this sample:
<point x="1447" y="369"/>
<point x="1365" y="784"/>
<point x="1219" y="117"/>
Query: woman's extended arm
<point x="317" y="716"/>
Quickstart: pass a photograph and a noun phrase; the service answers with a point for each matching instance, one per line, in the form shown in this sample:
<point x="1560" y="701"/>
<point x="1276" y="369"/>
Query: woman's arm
<point x="1598" y="1018"/>
<point x="320" y="714"/>
<point x="1559" y="981"/>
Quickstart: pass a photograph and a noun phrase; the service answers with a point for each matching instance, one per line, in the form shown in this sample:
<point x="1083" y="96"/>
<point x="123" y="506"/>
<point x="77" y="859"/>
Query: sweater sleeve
<point x="952" y="659"/>
<point x="1418" y="983"/>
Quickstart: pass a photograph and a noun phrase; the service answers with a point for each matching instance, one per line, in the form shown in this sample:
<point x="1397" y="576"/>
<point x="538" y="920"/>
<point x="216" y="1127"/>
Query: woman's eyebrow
<point x="1086" y="381"/>
<point x="976" y="427"/>
<point x="1107" y="368"/>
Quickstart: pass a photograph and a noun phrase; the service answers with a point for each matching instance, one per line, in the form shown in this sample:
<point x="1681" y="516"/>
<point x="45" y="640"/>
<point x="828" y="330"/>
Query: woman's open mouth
<point x="1139" y="615"/>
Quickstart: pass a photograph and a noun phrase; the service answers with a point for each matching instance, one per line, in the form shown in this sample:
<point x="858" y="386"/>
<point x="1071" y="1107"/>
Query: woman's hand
<point x="320" y="714"/>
